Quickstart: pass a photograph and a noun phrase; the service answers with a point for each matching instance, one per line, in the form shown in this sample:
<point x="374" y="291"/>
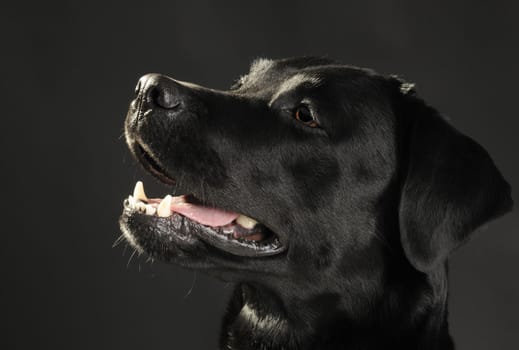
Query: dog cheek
<point x="188" y="156"/>
<point x="324" y="256"/>
<point x="311" y="248"/>
<point x="314" y="179"/>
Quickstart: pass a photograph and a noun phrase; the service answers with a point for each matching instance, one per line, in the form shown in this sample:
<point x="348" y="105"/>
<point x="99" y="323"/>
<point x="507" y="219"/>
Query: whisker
<point x="192" y="286"/>
<point x="124" y="249"/>
<point x="118" y="241"/>
<point x="131" y="256"/>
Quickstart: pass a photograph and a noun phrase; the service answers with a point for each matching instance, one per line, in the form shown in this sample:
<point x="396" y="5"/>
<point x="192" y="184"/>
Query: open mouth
<point x="228" y="231"/>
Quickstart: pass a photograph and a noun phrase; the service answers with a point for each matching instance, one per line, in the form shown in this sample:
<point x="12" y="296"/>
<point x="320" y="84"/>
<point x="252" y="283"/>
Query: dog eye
<point x="303" y="114"/>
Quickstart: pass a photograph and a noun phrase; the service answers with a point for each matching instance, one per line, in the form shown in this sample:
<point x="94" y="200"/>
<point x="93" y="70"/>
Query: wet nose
<point x="160" y="90"/>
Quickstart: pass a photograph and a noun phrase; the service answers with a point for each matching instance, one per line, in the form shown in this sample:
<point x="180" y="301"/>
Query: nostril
<point x="165" y="97"/>
<point x="160" y="91"/>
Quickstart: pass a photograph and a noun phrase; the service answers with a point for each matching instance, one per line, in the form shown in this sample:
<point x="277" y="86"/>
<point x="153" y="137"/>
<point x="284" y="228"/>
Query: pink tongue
<point x="204" y="215"/>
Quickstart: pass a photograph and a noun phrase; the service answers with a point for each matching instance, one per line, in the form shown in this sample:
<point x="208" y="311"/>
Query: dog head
<point x="304" y="169"/>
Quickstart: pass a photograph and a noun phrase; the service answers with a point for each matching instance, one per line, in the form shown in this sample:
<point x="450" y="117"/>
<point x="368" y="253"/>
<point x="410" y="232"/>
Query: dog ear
<point x="450" y="185"/>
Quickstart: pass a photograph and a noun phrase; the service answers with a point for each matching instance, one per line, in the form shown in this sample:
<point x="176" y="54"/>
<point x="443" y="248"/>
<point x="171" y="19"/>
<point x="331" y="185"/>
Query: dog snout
<point x="158" y="90"/>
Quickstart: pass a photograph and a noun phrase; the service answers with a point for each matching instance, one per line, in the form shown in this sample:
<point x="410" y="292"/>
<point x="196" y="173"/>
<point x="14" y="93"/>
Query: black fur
<point x="369" y="205"/>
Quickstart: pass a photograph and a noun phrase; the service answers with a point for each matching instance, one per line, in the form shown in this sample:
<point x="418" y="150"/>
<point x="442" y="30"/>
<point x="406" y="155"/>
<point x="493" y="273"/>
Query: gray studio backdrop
<point x="68" y="70"/>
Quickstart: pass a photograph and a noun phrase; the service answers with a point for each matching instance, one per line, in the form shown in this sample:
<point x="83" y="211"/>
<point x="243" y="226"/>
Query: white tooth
<point x="245" y="221"/>
<point x="150" y="210"/>
<point x="138" y="192"/>
<point x="131" y="201"/>
<point x="164" y="209"/>
<point x="140" y="207"/>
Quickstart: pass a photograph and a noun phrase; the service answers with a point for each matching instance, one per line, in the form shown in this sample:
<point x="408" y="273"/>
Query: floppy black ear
<point x="451" y="186"/>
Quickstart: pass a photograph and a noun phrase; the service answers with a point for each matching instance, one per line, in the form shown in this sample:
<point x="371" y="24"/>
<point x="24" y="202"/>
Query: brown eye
<point x="304" y="115"/>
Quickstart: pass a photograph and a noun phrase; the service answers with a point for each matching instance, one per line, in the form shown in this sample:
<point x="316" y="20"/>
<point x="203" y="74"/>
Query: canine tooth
<point x="246" y="222"/>
<point x="164" y="209"/>
<point x="138" y="192"/>
<point x="150" y="210"/>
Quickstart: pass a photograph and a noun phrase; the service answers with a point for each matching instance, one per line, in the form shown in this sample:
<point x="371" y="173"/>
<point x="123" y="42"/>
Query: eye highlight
<point x="303" y="114"/>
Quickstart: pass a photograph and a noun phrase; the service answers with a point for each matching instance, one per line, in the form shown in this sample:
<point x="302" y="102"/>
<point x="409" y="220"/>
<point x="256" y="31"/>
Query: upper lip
<point x="150" y="162"/>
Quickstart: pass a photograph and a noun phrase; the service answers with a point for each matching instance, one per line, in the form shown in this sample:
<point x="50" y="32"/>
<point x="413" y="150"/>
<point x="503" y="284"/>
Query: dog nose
<point x="160" y="90"/>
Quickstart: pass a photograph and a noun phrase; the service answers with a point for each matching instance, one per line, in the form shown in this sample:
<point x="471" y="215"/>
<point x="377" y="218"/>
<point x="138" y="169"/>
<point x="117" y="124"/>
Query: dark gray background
<point x="67" y="75"/>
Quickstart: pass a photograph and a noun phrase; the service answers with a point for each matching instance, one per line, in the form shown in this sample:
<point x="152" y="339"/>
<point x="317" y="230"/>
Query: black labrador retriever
<point x="332" y="195"/>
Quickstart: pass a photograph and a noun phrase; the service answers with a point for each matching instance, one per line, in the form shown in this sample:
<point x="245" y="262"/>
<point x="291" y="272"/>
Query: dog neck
<point x="255" y="320"/>
<point x="264" y="323"/>
<point x="259" y="319"/>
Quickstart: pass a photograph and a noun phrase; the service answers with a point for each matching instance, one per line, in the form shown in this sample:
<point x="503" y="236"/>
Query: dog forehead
<point x="259" y="67"/>
<point x="269" y="76"/>
<point x="265" y="70"/>
<point x="293" y="82"/>
<point x="265" y="67"/>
